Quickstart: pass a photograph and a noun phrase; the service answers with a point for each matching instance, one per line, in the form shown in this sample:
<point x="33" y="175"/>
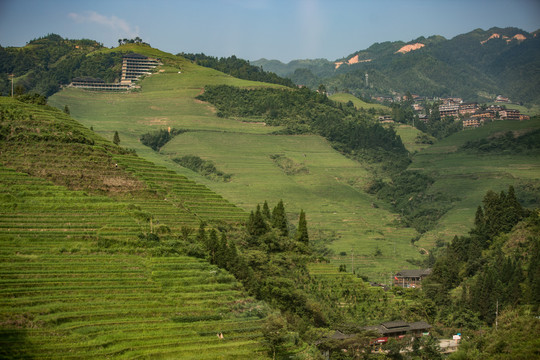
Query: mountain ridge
<point x="477" y="66"/>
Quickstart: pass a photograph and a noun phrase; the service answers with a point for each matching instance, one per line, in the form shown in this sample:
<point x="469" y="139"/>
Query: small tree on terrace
<point x="116" y="138"/>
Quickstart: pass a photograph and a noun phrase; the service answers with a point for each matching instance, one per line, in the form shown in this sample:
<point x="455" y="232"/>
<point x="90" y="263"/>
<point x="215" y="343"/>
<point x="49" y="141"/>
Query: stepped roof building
<point x="136" y="65"/>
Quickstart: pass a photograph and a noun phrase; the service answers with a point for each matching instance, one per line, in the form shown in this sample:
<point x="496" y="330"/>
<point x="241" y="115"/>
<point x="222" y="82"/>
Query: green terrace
<point x="77" y="281"/>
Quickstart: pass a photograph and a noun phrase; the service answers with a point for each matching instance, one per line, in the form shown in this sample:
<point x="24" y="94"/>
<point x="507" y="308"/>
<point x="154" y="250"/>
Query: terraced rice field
<point x="65" y="294"/>
<point x="77" y="280"/>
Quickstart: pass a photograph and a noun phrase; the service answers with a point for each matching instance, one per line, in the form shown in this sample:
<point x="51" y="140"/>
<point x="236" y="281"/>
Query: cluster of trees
<point x="409" y="194"/>
<point x="205" y="168"/>
<point x="305" y="111"/>
<point x="51" y="61"/>
<point x="268" y="256"/>
<point x="238" y="68"/>
<point x="157" y="139"/>
<point x="137" y="40"/>
<point x="493" y="268"/>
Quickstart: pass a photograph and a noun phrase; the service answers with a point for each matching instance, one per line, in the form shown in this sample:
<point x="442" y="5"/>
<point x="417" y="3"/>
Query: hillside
<point x="91" y="261"/>
<point x="469" y="174"/>
<point x="331" y="188"/>
<point x="476" y="66"/>
<point x="340" y="214"/>
<point x="114" y="228"/>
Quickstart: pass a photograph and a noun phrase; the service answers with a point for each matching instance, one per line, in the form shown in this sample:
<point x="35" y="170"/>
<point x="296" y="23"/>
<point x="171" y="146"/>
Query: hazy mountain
<point x="476" y="66"/>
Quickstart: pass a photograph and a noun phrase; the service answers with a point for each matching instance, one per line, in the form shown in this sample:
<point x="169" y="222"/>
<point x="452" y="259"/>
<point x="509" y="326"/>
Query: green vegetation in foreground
<point x="91" y="263"/>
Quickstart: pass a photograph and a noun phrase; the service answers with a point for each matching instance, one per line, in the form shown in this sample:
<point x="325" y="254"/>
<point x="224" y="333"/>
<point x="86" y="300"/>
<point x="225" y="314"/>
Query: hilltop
<point x="476" y="66"/>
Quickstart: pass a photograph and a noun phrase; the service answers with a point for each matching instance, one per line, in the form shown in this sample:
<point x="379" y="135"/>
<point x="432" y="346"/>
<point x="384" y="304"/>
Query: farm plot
<point x="66" y="293"/>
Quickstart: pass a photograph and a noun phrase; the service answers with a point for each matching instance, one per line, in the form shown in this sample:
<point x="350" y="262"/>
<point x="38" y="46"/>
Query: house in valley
<point x="410" y="278"/>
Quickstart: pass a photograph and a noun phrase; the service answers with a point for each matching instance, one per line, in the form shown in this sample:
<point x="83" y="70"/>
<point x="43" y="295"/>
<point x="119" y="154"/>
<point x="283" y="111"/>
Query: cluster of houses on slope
<point x="133" y="67"/>
<point x="472" y="114"/>
<point x="475" y="115"/>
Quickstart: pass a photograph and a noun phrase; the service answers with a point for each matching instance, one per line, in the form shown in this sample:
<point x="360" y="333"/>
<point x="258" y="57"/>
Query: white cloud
<point x="114" y="23"/>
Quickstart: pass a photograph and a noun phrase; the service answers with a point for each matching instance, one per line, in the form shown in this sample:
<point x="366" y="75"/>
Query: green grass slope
<point x="470" y="175"/>
<point x="77" y="279"/>
<point x="359" y="104"/>
<point x="338" y="211"/>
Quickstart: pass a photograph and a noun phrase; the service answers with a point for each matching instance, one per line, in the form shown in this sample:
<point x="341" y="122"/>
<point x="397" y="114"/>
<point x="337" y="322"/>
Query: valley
<point x="121" y="252"/>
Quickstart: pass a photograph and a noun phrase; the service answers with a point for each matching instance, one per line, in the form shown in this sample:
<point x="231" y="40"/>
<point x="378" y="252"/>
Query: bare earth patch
<point x="410" y="47"/>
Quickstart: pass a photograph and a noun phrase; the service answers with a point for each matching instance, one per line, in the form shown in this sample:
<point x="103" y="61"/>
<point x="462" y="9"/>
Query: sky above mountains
<point x="254" y="29"/>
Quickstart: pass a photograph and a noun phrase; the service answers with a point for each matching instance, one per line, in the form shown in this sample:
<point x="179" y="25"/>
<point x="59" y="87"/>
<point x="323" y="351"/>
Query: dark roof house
<point x="410" y="278"/>
<point x="399" y="328"/>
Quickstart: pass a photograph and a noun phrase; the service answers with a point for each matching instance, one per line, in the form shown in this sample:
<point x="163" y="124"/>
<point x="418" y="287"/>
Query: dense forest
<point x="46" y="63"/>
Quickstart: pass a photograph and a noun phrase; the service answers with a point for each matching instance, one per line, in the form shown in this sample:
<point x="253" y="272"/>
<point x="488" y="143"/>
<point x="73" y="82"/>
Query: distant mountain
<point x="476" y="66"/>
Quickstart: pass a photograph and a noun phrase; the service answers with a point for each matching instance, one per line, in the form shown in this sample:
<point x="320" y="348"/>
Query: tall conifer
<point x="302" y="234"/>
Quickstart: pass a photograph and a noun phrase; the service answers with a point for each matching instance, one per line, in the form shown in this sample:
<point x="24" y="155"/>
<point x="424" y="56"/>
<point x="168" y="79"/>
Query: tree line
<point x="49" y="62"/>
<point x="238" y="68"/>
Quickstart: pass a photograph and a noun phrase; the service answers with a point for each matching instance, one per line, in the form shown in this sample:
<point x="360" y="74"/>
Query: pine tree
<point x="302" y="233"/>
<point x="256" y="224"/>
<point x="266" y="211"/>
<point x="116" y="138"/>
<point x="279" y="219"/>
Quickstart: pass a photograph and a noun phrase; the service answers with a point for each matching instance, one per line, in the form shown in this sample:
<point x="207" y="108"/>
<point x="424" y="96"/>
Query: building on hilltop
<point x="136" y="65"/>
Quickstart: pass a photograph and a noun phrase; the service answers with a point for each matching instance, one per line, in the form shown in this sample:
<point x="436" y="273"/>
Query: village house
<point x="509" y="114"/>
<point x="392" y="329"/>
<point x="417" y="107"/>
<point x="502" y="99"/>
<point x="398" y="330"/>
<point x="450" y="109"/>
<point x="472" y="122"/>
<point x="468" y="108"/>
<point x="410" y="278"/>
<point x="386" y="119"/>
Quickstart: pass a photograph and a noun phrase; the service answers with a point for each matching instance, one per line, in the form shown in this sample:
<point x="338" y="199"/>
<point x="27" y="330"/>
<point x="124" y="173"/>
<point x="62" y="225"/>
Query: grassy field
<point x="408" y="135"/>
<point x="78" y="281"/>
<point x="359" y="104"/>
<point x="469" y="176"/>
<point x="337" y="209"/>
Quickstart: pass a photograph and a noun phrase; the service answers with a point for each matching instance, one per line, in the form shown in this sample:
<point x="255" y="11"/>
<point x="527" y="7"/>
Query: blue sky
<point x="253" y="29"/>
